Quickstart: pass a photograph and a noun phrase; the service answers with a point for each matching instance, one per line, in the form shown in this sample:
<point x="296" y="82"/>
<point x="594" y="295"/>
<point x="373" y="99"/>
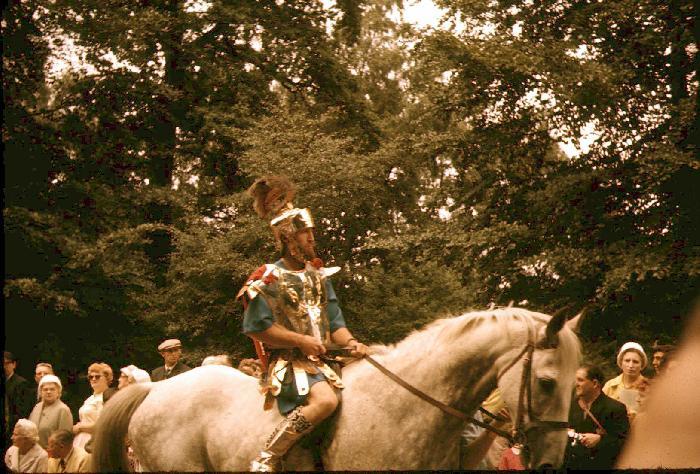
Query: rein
<point x="436" y="403"/>
<point x="520" y="429"/>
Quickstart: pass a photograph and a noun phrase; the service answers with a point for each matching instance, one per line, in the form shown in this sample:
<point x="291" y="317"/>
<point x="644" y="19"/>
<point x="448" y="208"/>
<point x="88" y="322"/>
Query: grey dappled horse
<point x="211" y="418"/>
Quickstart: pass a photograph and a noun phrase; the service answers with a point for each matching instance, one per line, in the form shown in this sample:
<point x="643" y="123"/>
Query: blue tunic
<point x="258" y="317"/>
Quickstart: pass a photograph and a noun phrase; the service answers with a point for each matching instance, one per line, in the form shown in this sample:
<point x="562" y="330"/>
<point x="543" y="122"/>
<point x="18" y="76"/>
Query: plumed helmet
<point x="272" y="200"/>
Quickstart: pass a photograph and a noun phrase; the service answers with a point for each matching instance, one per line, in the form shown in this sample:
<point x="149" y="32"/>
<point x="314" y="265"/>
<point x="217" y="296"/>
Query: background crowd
<point x="603" y="411"/>
<point x="44" y="434"/>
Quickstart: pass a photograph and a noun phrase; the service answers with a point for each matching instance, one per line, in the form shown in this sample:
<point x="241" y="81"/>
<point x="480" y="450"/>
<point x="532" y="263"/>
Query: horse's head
<point x="538" y="388"/>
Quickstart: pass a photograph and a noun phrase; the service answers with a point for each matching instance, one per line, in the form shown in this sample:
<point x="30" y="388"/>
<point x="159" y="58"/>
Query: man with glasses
<point x="171" y="351"/>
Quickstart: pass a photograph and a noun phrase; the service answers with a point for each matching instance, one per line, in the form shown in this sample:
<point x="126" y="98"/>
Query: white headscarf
<point x="49" y="378"/>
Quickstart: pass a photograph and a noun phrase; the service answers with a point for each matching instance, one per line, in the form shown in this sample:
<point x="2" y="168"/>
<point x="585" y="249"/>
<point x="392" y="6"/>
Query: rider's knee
<point x="326" y="401"/>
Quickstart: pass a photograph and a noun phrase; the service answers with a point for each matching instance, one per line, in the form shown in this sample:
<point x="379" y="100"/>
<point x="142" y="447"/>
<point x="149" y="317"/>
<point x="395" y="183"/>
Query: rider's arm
<point x="281" y="337"/>
<point x="343" y="337"/>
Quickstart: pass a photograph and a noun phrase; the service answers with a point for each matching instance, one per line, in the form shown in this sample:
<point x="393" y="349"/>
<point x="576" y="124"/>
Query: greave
<point x="287" y="433"/>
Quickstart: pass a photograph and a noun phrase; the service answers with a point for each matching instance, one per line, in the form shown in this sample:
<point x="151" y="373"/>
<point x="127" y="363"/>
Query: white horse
<point x="211" y="418"/>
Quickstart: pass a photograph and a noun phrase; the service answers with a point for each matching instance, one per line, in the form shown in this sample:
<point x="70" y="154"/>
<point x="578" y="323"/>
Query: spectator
<point x="132" y="374"/>
<point x="100" y="377"/>
<point x="127" y="376"/>
<point x="625" y="387"/>
<point x="598" y="424"/>
<point x="668" y="363"/>
<point x="25" y="454"/>
<point x="42" y="368"/>
<point x="63" y="456"/>
<point x="251" y="367"/>
<point x="511" y="460"/>
<point x="659" y="351"/>
<point x="478" y="445"/>
<point x="171" y="351"/>
<point x="19" y="396"/>
<point x="668" y="435"/>
<point x="477" y="441"/>
<point x="50" y="414"/>
<point x="221" y="359"/>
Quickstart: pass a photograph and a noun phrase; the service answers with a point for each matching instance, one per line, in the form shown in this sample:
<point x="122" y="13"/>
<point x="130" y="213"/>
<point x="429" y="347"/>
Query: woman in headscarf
<point x="50" y="414"/>
<point x="132" y="374"/>
<point x="626" y="387"/>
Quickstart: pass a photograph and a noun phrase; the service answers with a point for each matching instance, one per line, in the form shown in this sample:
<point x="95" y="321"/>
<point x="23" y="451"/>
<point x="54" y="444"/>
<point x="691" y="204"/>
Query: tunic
<point x="49" y="418"/>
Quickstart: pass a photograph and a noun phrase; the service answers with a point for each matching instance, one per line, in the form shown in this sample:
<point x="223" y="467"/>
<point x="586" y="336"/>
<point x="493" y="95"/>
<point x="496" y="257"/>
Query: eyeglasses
<point x="94" y="377"/>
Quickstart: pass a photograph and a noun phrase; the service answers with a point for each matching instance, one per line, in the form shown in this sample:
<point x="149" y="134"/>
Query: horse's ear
<point x="553" y="327"/>
<point x="575" y="323"/>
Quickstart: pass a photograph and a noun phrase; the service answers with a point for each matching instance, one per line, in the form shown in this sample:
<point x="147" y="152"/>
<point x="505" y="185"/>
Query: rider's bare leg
<point x="321" y="403"/>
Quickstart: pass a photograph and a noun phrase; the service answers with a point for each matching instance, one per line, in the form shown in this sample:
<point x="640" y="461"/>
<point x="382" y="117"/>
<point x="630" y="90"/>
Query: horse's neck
<point x="461" y="372"/>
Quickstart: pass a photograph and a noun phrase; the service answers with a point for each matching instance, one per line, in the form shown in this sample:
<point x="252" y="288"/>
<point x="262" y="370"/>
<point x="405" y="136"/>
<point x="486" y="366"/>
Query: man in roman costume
<point x="292" y="315"/>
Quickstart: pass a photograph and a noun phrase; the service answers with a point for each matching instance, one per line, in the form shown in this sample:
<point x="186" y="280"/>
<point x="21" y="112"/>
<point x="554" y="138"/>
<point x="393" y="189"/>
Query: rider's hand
<point x="311" y="346"/>
<point x="357" y="349"/>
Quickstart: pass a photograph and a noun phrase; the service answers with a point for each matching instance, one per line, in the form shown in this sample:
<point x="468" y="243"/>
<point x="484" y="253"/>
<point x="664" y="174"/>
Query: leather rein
<point x="520" y="429"/>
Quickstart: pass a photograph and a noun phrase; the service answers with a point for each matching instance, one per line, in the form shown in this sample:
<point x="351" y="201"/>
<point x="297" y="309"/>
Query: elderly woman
<point x="25" y="454"/>
<point x="131" y="374"/>
<point x="100" y="377"/>
<point x="626" y="386"/>
<point x="50" y="414"/>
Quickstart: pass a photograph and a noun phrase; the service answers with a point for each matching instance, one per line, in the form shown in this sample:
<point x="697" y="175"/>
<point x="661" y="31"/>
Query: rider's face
<point x="305" y="243"/>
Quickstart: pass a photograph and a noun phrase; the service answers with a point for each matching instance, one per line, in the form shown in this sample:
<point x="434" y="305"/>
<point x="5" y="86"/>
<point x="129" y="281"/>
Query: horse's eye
<point x="547" y="385"/>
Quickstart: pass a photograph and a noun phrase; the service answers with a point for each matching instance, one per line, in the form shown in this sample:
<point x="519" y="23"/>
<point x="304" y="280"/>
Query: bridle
<point x="520" y="429"/>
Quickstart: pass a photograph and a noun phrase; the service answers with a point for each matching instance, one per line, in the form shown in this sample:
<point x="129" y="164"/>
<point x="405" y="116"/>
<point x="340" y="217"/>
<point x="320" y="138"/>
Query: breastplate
<point x="298" y="301"/>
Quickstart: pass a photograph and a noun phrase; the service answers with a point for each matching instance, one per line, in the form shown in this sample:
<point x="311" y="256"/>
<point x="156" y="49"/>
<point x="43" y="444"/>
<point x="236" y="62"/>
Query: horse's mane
<point x="447" y="330"/>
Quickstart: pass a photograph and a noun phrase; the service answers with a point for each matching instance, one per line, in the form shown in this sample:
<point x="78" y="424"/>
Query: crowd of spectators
<point x="602" y="415"/>
<point x="42" y="435"/>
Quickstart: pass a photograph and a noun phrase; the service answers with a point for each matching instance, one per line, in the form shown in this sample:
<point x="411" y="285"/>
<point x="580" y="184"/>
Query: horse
<point x="212" y="419"/>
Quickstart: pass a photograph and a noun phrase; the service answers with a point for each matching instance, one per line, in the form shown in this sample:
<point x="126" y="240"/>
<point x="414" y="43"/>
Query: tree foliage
<point x="431" y="161"/>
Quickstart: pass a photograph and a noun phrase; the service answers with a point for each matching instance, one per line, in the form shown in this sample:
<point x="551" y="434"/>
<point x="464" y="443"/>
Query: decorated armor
<point x="298" y="301"/>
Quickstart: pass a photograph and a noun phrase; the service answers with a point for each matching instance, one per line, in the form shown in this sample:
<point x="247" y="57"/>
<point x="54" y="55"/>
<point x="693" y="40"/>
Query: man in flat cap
<point x="171" y="350"/>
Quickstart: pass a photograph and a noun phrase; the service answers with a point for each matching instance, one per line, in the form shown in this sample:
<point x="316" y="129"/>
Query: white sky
<point x="422" y="13"/>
